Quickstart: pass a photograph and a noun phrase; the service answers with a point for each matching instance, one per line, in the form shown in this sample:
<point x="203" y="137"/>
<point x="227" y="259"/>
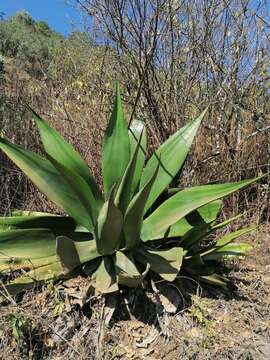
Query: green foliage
<point x="19" y="326"/>
<point x="117" y="237"/>
<point x="24" y="38"/>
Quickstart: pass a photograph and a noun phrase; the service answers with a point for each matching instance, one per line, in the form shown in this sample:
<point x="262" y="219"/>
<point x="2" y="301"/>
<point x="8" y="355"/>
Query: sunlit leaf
<point x="116" y="147"/>
<point x="184" y="202"/>
<point x="170" y="158"/>
<point x="65" y="154"/>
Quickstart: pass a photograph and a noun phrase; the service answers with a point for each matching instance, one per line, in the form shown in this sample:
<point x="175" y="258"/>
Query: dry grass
<point x="79" y="111"/>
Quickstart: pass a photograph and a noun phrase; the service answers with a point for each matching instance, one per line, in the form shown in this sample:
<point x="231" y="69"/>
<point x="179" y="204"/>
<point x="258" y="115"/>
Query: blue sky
<point x="60" y="16"/>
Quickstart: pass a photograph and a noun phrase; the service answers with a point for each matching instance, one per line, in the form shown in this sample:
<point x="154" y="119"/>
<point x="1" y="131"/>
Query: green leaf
<point x="137" y="128"/>
<point x="170" y="156"/>
<point x="64" y="153"/>
<point x="166" y="263"/>
<point x="195" y="265"/>
<point x="105" y="277"/>
<point x="224" y="241"/>
<point x="229" y="250"/>
<point x="36" y="276"/>
<point x="116" y="147"/>
<point x="27" y="244"/>
<point x="134" y="215"/>
<point x="57" y="224"/>
<point x="216" y="280"/>
<point x="30" y="213"/>
<point x="227" y="221"/>
<point x="109" y="227"/>
<point x="44" y="175"/>
<point x="73" y="254"/>
<point x="196" y="234"/>
<point x="199" y="217"/>
<point x="11" y="264"/>
<point x="126" y="271"/>
<point x="183" y="203"/>
<point x="83" y="192"/>
<point x="124" y="191"/>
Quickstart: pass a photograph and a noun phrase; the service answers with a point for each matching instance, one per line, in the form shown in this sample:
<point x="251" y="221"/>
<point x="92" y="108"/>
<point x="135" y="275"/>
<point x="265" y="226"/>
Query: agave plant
<point x="136" y="227"/>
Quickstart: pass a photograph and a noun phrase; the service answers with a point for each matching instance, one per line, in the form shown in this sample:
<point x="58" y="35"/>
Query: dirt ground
<point x="53" y="324"/>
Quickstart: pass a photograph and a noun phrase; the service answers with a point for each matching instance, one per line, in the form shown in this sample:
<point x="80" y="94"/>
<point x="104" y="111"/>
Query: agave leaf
<point x="83" y="192"/>
<point x="124" y="191"/>
<point x="205" y="214"/>
<point x="30" y="213"/>
<point x="196" y="234"/>
<point x="229" y="250"/>
<point x="90" y="267"/>
<point x="73" y="254"/>
<point x="126" y="271"/>
<point x="116" y="147"/>
<point x="64" y="153"/>
<point x="11" y="264"/>
<point x="44" y="175"/>
<point x="216" y="280"/>
<point x="166" y="263"/>
<point x="228" y="238"/>
<point x="227" y="221"/>
<point x="195" y="265"/>
<point x="170" y="156"/>
<point x="27" y="244"/>
<point x="109" y="227"/>
<point x="198" y="218"/>
<point x="57" y="224"/>
<point x="137" y="128"/>
<point x="134" y="215"/>
<point x="31" y="278"/>
<point x="105" y="277"/>
<point x="225" y="240"/>
<point x="184" y="202"/>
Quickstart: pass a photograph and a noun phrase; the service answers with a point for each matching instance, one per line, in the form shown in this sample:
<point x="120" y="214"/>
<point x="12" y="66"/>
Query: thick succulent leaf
<point x="200" y="217"/>
<point x="116" y="147"/>
<point x="196" y="234"/>
<point x="195" y="265"/>
<point x="73" y="254"/>
<point x="134" y="215"/>
<point x="170" y="156"/>
<point x="184" y="202"/>
<point x="229" y="250"/>
<point x="124" y="191"/>
<point x="166" y="263"/>
<point x="44" y="175"/>
<point x="227" y="221"/>
<point x="31" y="278"/>
<point x="90" y="267"/>
<point x="225" y="240"/>
<point x="126" y="270"/>
<point x="216" y="280"/>
<point x="64" y="153"/>
<point x="228" y="238"/>
<point x="105" y="277"/>
<point x="109" y="227"/>
<point x="137" y="128"/>
<point x="11" y="264"/>
<point x="27" y="244"/>
<point x="83" y="192"/>
<point x="30" y="213"/>
<point x="57" y="224"/>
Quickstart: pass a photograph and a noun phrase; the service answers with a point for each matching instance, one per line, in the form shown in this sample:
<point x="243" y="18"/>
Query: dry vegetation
<point x="172" y="59"/>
